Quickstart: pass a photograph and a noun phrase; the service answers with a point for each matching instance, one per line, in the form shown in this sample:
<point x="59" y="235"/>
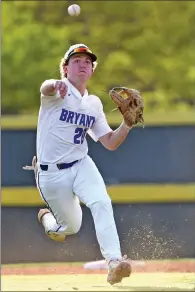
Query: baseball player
<point x="65" y="174"/>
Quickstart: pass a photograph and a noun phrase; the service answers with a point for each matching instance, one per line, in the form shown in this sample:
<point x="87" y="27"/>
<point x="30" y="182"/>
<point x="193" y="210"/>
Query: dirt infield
<point x="183" y="266"/>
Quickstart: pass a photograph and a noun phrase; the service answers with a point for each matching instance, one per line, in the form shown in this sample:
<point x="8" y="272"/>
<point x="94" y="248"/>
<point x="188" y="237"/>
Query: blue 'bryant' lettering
<point x="77" y="118"/>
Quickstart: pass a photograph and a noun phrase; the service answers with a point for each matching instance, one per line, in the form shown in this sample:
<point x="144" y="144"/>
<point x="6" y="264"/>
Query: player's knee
<point x="73" y="227"/>
<point x="102" y="213"/>
<point x="103" y="204"/>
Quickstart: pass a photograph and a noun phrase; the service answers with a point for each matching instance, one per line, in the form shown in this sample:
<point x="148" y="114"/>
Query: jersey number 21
<point x="79" y="136"/>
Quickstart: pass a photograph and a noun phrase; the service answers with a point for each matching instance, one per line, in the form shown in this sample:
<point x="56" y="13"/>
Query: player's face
<point x="79" y="67"/>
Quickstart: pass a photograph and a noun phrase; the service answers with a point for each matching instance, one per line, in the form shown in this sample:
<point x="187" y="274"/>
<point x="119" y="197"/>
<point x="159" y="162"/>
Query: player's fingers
<point x="63" y="90"/>
<point x="62" y="85"/>
<point x="56" y="85"/>
<point x="59" y="94"/>
<point x="59" y="84"/>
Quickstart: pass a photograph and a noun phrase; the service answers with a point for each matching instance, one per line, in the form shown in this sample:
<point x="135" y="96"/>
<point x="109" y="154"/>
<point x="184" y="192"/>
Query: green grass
<point x="97" y="282"/>
<point x="114" y="118"/>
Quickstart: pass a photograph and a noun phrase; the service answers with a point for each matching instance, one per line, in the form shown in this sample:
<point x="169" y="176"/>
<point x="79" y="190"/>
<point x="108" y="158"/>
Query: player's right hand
<point x="61" y="88"/>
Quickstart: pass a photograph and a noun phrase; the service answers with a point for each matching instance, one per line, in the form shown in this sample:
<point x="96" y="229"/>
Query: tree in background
<point x="144" y="45"/>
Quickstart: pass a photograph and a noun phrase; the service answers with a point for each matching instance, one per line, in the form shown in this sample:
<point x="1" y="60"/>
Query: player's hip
<point x="59" y="155"/>
<point x="55" y="172"/>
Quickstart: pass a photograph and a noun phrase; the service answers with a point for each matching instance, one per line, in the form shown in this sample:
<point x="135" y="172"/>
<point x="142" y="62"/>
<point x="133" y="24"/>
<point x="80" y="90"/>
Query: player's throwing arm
<point x="54" y="87"/>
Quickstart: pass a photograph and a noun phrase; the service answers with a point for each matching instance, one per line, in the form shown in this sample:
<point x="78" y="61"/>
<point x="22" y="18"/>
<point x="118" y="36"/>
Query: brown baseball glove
<point x="130" y="103"/>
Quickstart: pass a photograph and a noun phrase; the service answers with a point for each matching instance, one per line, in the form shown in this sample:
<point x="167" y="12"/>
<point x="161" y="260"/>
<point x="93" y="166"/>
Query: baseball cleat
<point x="118" y="269"/>
<point x="56" y="236"/>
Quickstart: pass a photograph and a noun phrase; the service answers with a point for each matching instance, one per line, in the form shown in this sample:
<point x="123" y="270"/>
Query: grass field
<point x="83" y="280"/>
<point x="97" y="282"/>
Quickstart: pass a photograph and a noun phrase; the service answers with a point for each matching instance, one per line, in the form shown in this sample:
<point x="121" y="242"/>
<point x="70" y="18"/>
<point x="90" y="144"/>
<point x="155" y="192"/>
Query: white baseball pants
<point x="60" y="189"/>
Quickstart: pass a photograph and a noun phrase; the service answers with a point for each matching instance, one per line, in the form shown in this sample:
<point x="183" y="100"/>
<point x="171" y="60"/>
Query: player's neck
<point x="80" y="86"/>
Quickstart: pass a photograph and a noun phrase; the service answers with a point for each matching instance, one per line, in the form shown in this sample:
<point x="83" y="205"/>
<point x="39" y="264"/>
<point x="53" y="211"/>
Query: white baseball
<point x="74" y="10"/>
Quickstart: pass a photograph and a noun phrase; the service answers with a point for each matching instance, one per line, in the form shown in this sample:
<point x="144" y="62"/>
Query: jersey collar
<point x="74" y="90"/>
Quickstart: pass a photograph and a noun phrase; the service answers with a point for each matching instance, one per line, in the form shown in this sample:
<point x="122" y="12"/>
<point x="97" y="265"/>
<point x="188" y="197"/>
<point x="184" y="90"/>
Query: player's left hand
<point x="130" y="103"/>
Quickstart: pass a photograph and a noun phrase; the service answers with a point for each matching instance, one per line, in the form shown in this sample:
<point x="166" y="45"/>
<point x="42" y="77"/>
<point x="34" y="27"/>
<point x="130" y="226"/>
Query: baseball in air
<point x="74" y="10"/>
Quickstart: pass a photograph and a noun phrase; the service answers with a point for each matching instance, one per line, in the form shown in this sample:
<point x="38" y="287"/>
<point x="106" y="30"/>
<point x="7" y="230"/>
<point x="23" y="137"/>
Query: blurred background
<point x="147" y="45"/>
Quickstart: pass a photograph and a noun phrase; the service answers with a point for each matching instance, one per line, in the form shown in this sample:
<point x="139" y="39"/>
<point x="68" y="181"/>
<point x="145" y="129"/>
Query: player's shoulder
<point x="95" y="100"/>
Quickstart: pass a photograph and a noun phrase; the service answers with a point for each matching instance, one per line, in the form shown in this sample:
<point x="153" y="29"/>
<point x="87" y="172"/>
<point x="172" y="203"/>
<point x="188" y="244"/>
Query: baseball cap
<point x="79" y="48"/>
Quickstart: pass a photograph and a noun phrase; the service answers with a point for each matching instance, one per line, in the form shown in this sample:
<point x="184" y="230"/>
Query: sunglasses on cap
<point x="82" y="50"/>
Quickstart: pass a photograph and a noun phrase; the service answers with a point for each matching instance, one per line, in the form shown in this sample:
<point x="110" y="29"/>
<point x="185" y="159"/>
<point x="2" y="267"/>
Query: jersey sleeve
<point x="100" y="127"/>
<point x="49" y="98"/>
<point x="46" y="96"/>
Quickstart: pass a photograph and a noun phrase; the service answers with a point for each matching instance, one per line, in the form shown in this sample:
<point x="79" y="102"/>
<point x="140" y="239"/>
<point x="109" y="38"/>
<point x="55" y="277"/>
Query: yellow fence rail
<point x="147" y="193"/>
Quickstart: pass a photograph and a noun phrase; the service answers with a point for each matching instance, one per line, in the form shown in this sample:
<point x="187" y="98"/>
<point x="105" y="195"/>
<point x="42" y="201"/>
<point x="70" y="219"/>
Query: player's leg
<point x="70" y="224"/>
<point x="91" y="189"/>
<point x="64" y="215"/>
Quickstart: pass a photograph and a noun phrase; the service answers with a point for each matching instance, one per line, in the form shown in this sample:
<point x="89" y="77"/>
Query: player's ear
<point x="65" y="69"/>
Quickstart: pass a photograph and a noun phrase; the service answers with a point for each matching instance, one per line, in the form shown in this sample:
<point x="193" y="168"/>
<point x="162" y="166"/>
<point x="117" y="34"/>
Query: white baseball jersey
<point x="64" y="123"/>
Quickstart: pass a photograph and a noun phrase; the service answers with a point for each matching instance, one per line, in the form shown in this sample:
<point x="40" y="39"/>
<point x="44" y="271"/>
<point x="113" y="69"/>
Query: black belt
<point x="59" y="165"/>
